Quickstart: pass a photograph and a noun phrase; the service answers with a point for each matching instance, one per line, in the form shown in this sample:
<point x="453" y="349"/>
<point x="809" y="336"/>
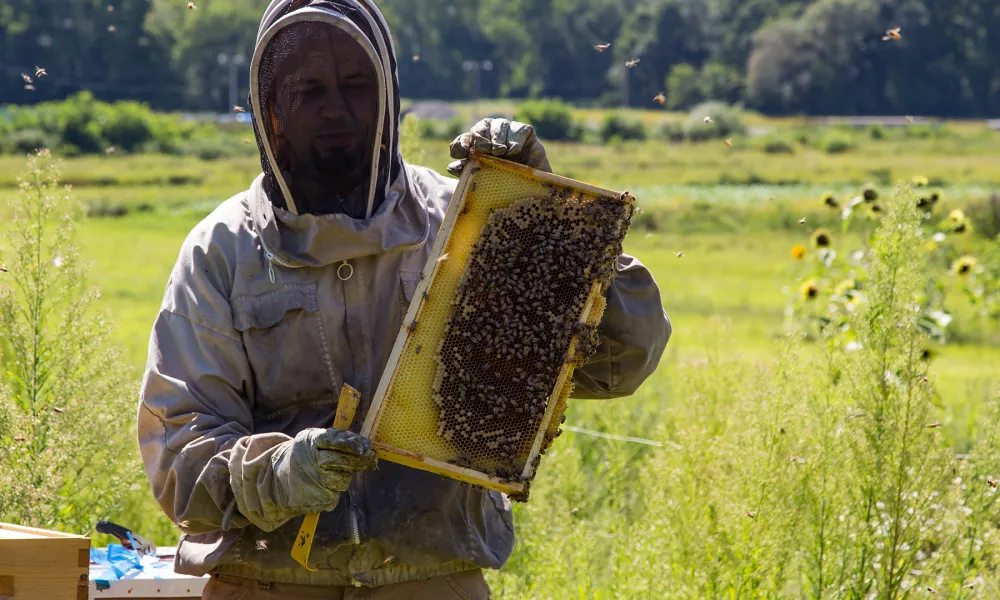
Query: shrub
<point x="552" y="119"/>
<point x="672" y="131"/>
<point x="435" y="129"/>
<point x="683" y="89"/>
<point x="28" y="140"/>
<point x="616" y="126"/>
<point x="776" y="145"/>
<point x="836" y="143"/>
<point x="877" y="132"/>
<point x="726" y="121"/>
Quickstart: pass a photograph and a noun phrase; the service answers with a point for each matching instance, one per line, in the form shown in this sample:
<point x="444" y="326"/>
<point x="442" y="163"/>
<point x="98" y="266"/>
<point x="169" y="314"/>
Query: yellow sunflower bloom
<point x="844" y="287"/>
<point x="920" y="180"/>
<point x="798" y="252"/>
<point x="963" y="266"/>
<point x="809" y="289"/>
<point x="821" y="238"/>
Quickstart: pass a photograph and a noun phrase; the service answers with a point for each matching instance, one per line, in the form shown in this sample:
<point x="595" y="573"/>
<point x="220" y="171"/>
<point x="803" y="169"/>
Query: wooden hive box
<point x="37" y="564"/>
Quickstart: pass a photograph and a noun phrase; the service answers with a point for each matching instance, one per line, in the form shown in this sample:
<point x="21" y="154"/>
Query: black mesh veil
<point x="353" y="154"/>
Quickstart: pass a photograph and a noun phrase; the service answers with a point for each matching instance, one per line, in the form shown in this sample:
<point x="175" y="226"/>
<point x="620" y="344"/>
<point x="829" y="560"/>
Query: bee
<point x="19" y="438"/>
<point x="58" y="409"/>
<point x="931" y="590"/>
<point x="892" y="34"/>
<point x="970" y="586"/>
<point x="992" y="483"/>
<point x="3" y="269"/>
<point x="728" y="142"/>
<point x="909" y="118"/>
<point x="39" y="72"/>
<point x="111" y="8"/>
<point x="629" y="64"/>
<point x="443" y="257"/>
<point x="802" y="221"/>
<point x="412" y="326"/>
<point x="110" y="150"/>
<point x="601" y="47"/>
<point x="388" y="559"/>
<point x="29" y="87"/>
<point x="751" y="514"/>
<point x="26" y="77"/>
<point x="679" y="254"/>
<point x="246" y="140"/>
<point x="708" y="119"/>
<point x="418" y="349"/>
<point x="426" y="296"/>
<point x="191" y="6"/>
<point x="660" y="98"/>
<point x="112" y="28"/>
<point x="238" y="109"/>
<point x="932" y="425"/>
<point x="262" y="544"/>
<point x="416" y="58"/>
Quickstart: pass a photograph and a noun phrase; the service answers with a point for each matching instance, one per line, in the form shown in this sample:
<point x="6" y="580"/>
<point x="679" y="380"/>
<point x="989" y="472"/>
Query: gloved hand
<point x="499" y="137"/>
<point x="303" y="475"/>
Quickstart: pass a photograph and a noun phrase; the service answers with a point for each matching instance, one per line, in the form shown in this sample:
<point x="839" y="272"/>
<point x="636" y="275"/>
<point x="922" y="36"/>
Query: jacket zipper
<point x="272" y="259"/>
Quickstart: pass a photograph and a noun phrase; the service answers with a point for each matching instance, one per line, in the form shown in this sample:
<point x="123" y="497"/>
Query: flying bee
<point x="19" y="438"/>
<point x="802" y="221"/>
<point x="932" y="425"/>
<point x="416" y="58"/>
<point x="238" y="109"/>
<point x="110" y="150"/>
<point x="630" y="64"/>
<point x="29" y="87"/>
<point x="262" y="544"/>
<point x="679" y="254"/>
<point x="992" y="483"/>
<point x="443" y="257"/>
<point x="708" y="119"/>
<point x="660" y="99"/>
<point x="112" y="28"/>
<point x="418" y="349"/>
<point x="892" y="34"/>
<point x="751" y="514"/>
<point x="58" y="409"/>
<point x="39" y="72"/>
<point x="191" y="6"/>
<point x="729" y="142"/>
<point x="601" y="47"/>
<point x="26" y="77"/>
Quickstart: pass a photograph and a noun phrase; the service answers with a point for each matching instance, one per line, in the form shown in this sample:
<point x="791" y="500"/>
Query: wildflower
<point x="844" y="287"/>
<point x="963" y="266"/>
<point x="821" y="238"/>
<point x="920" y="180"/>
<point x="809" y="289"/>
<point x="956" y="216"/>
<point x="798" y="251"/>
<point x="869" y="193"/>
<point x="939" y="237"/>
<point x="830" y="201"/>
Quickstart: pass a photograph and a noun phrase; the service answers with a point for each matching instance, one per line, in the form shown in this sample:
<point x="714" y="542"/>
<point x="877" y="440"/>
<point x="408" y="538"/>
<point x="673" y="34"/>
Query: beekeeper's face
<point x="326" y="106"/>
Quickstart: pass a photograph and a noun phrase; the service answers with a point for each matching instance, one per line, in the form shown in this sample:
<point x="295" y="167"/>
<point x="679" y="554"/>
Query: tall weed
<point x="67" y="454"/>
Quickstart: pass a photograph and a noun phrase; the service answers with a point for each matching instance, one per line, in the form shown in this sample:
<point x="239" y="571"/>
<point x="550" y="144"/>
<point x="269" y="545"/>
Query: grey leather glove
<point x="507" y="139"/>
<point x="303" y="475"/>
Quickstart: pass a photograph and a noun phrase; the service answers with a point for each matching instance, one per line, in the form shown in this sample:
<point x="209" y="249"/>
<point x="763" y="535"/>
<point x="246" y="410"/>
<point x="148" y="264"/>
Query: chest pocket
<point x="408" y="281"/>
<point x="288" y="349"/>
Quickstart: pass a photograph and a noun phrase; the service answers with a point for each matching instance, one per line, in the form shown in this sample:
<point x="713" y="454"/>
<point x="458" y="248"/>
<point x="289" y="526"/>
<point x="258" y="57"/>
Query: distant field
<point x="733" y="212"/>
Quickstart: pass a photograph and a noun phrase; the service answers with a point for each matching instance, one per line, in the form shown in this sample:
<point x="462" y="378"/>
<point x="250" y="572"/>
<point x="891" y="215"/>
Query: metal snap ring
<point x="340" y="271"/>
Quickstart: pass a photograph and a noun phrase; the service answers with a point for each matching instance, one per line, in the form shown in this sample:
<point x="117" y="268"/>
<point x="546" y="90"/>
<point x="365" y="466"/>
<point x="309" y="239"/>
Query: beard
<point x="342" y="167"/>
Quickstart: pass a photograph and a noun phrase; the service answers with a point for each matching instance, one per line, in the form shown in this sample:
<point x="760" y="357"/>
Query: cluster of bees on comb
<point x="517" y="310"/>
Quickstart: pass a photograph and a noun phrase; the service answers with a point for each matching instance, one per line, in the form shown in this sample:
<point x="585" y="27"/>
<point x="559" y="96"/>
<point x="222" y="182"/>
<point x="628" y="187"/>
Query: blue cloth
<point x="119" y="560"/>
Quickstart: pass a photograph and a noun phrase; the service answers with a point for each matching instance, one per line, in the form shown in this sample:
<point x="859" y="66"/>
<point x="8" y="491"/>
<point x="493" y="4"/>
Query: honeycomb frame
<point x="424" y="329"/>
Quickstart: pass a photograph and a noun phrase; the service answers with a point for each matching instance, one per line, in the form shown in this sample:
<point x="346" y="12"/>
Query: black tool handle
<point x="122" y="533"/>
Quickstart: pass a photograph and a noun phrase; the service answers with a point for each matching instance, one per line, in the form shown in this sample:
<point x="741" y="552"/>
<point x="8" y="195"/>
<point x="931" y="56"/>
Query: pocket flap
<point x="265" y="310"/>
<point x="409" y="281"/>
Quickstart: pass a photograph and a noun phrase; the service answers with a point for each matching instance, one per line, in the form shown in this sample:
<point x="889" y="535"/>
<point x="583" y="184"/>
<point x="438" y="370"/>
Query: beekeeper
<point x="299" y="285"/>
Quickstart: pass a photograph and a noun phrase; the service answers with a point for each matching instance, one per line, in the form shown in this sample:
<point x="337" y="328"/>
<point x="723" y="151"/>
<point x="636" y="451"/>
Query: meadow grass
<point x="733" y="213"/>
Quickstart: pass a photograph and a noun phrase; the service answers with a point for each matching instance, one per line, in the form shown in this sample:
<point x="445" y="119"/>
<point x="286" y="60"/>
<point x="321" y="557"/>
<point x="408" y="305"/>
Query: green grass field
<point x="732" y="212"/>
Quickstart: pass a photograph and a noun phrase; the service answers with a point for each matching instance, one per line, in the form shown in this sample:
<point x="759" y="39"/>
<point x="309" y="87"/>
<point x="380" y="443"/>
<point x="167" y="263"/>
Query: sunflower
<point x="869" y="193"/>
<point x="957" y="215"/>
<point x="920" y="180"/>
<point x="963" y="266"/>
<point x="809" y="290"/>
<point x="821" y="238"/>
<point x="830" y="201"/>
<point x="845" y="287"/>
<point x="798" y="252"/>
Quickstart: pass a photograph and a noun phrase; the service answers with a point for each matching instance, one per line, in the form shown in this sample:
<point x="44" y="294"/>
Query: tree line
<point x="776" y="56"/>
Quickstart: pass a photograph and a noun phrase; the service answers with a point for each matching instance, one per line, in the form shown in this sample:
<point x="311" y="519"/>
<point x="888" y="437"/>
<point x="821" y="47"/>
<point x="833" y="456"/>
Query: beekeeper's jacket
<point x="268" y="312"/>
